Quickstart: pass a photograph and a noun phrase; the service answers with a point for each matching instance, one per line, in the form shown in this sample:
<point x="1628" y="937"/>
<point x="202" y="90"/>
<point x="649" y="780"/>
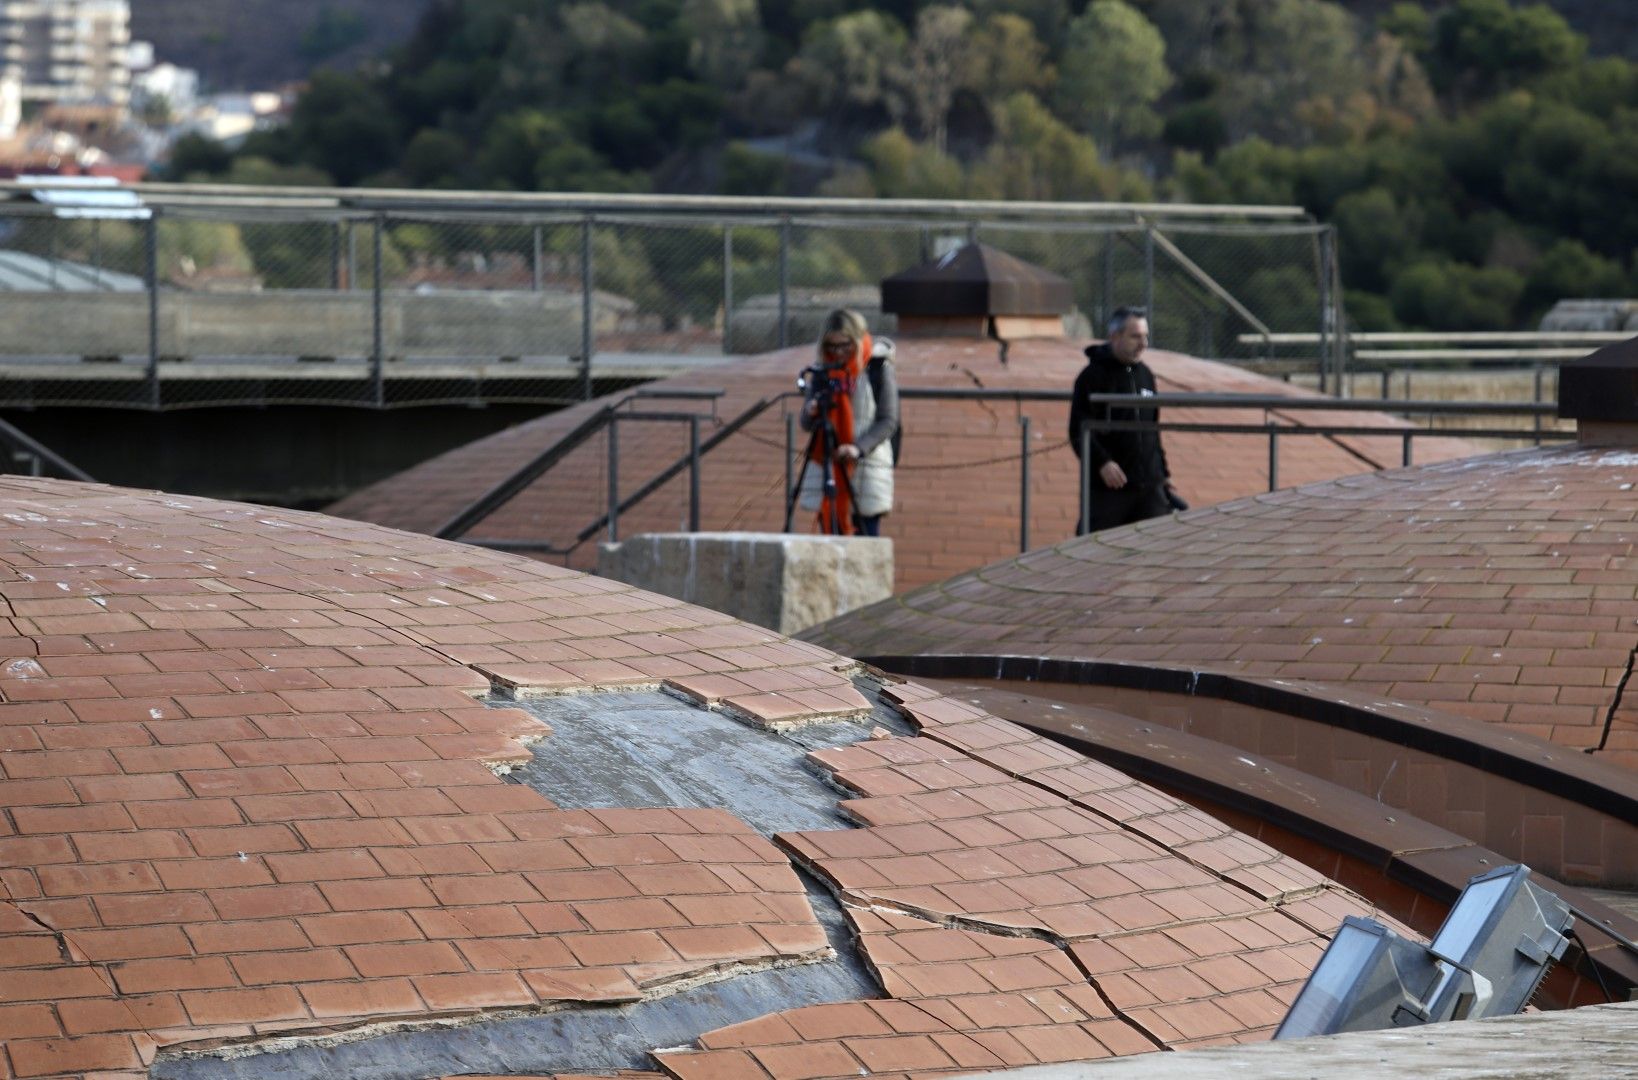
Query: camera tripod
<point x="824" y="439"/>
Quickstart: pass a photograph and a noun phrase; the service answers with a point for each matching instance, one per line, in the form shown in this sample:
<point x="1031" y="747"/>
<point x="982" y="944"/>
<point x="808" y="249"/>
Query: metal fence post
<point x="693" y="474"/>
<point x="537" y="269"/>
<point x="1023" y="487"/>
<point x="790" y="465"/>
<point x="335" y="256"/>
<point x="1086" y="482"/>
<point x="1273" y="456"/>
<point x="1405" y="457"/>
<point x="727" y="289"/>
<point x="784" y="279"/>
<point x="1149" y="273"/>
<point x="1326" y="325"/>
<point x="150" y="272"/>
<point x="588" y="282"/>
<point x="1107" y="305"/>
<point x="614" y="478"/>
<point x="352" y="257"/>
<point x="378" y="352"/>
<point x="1541" y="373"/>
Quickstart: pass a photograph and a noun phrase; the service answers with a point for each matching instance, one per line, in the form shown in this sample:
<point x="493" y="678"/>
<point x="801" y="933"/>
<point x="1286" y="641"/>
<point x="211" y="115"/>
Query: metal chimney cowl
<point x="978" y="291"/>
<point x="1600" y="393"/>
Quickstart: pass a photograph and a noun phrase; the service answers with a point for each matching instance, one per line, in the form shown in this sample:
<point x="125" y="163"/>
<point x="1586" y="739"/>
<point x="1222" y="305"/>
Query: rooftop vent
<point x="978" y="291"/>
<point x="1600" y="393"/>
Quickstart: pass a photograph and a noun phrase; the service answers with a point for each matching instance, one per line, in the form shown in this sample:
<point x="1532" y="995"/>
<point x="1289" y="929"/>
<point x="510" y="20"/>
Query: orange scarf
<point x="843" y="379"/>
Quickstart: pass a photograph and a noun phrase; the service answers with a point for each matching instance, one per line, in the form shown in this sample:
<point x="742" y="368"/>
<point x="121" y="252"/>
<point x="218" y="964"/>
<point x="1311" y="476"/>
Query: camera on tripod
<point x="817" y="377"/>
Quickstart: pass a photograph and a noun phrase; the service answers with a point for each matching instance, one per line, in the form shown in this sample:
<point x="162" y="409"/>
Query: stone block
<point x="782" y="581"/>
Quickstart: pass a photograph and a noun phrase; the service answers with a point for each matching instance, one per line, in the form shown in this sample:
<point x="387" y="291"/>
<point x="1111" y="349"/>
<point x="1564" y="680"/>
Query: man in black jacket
<point x="1130" y="480"/>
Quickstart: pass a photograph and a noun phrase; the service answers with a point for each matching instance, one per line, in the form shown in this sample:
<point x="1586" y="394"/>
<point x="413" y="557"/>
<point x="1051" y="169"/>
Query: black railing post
<point x="537" y="260"/>
<point x="1541" y="373"/>
<point x="1023" y="486"/>
<point x="727" y="289"/>
<point x="1273" y="456"/>
<point x="1107" y="303"/>
<point x="693" y="474"/>
<point x="1086" y="482"/>
<point x="352" y="257"/>
<point x="790" y="464"/>
<point x="588" y="282"/>
<point x="614" y="478"/>
<point x="1405" y="455"/>
<point x="335" y="256"/>
<point x="150" y="272"/>
<point x="784" y="280"/>
<point x="1149" y="274"/>
<point x="378" y="351"/>
<point x="1324" y="358"/>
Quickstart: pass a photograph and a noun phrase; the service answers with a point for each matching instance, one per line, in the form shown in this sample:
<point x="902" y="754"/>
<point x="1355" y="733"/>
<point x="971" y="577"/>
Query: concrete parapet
<point x="781" y="581"/>
<point x="445" y="325"/>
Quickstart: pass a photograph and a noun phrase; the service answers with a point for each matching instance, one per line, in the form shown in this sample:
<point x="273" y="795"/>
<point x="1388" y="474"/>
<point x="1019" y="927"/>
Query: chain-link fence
<point x="265" y="297"/>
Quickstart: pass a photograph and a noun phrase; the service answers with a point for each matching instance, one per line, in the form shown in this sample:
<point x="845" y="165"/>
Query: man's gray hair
<point x="1124" y="315"/>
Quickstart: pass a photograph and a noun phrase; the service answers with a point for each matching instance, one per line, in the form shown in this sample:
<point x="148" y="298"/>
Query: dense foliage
<point x="1476" y="160"/>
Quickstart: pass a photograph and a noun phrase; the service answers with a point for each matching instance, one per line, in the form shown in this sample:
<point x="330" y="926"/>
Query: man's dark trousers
<point x="1134" y="502"/>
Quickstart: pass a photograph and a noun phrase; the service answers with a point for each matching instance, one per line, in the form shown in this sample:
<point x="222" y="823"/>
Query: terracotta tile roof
<point x="970" y="449"/>
<point x="250" y="789"/>
<point x="1496" y="588"/>
<point x="1024" y="905"/>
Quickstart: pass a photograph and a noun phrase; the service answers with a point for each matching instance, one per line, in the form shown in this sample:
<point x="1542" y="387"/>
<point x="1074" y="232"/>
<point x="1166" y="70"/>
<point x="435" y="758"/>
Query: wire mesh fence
<point x="258" y="301"/>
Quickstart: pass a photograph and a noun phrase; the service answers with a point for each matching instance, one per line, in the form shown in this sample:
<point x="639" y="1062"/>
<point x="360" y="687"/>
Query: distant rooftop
<point x="20" y="272"/>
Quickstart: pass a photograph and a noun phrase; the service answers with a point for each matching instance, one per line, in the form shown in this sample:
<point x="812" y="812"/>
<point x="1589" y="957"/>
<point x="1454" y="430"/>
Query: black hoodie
<point x="1138" y="453"/>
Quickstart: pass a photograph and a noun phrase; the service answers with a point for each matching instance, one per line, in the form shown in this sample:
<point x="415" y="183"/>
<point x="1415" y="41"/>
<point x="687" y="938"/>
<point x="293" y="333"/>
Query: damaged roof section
<point x="251" y="789"/>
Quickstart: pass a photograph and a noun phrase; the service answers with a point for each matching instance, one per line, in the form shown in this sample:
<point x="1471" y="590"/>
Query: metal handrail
<point x="222" y="195"/>
<point x="618" y="506"/>
<point x="607" y="418"/>
<point x="26" y="446"/>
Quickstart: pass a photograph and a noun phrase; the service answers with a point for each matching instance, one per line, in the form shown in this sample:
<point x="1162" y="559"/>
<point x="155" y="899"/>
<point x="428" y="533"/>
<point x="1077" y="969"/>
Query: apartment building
<point x="67" y="51"/>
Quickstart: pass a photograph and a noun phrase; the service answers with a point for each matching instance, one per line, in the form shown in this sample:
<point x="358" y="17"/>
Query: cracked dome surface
<point x="278" y="784"/>
<point x="957" y="487"/>
<point x="1498" y="588"/>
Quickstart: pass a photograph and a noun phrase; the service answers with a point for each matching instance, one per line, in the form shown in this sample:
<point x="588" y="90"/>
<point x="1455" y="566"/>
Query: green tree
<point x="850" y="61"/>
<point x="1482" y="46"/>
<point x="903" y="168"/>
<point x="1375" y="235"/>
<point x="344" y="125"/>
<point x="1302" y="74"/>
<point x="1047" y="17"/>
<point x="434" y="158"/>
<point x="1005" y="57"/>
<point x="1569" y="271"/>
<point x="725" y="39"/>
<point x="1439" y="294"/>
<point x="934" y="68"/>
<point x="1113" y="71"/>
<point x="1036" y="156"/>
<point x="195" y="155"/>
<point x="333" y="30"/>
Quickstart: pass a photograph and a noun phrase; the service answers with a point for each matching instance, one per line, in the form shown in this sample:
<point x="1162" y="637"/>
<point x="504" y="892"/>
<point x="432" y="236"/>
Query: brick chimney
<point x="1600" y="393"/>
<point x="980" y="292"/>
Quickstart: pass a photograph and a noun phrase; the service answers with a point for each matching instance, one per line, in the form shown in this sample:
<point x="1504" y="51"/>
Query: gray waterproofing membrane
<point x="638" y="749"/>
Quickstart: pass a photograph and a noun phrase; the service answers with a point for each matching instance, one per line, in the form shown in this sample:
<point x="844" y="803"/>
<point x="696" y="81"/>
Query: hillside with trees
<point x="257" y="44"/>
<point x="1477" y="157"/>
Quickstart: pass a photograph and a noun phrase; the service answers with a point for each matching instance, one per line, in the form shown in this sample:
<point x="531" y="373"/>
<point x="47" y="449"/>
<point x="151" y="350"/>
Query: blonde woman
<point x="857" y="395"/>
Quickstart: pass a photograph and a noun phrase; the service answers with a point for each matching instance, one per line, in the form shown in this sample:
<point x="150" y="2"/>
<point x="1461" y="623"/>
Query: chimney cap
<point x="977" y="279"/>
<point x="1602" y="386"/>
